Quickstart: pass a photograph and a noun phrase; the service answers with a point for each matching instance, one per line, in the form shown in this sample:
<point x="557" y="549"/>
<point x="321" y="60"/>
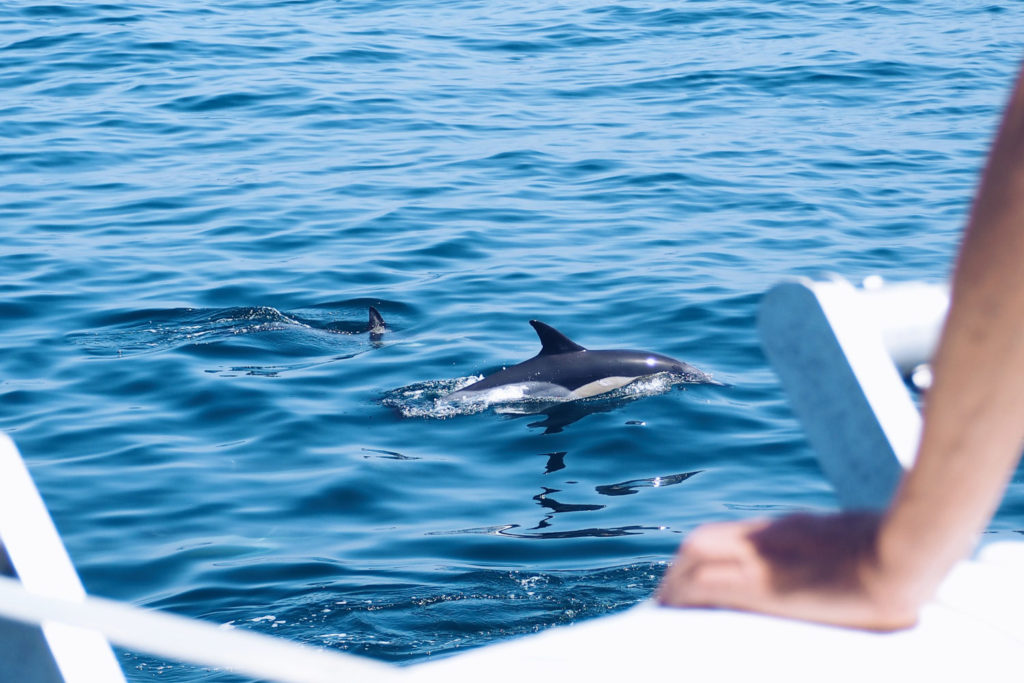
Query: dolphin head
<point x="681" y="369"/>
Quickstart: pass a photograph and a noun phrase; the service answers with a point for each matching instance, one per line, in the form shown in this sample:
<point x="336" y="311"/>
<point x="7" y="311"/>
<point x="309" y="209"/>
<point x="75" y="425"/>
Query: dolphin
<point x="564" y="370"/>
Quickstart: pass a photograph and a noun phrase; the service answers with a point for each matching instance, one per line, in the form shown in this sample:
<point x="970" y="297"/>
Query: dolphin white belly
<point x="601" y="386"/>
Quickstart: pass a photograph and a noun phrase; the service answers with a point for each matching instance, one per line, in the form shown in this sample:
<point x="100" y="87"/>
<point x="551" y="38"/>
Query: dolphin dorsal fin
<point x="376" y="321"/>
<point x="552" y="341"/>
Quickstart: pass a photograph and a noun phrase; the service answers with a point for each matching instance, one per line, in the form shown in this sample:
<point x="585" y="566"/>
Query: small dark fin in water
<point x="552" y="341"/>
<point x="377" y="324"/>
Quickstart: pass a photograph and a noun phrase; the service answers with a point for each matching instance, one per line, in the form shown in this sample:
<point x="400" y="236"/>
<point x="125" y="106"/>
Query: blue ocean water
<point x="200" y="201"/>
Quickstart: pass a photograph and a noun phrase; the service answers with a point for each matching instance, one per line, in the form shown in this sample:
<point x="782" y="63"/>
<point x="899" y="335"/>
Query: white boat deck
<point x="973" y="631"/>
<point x="833" y="346"/>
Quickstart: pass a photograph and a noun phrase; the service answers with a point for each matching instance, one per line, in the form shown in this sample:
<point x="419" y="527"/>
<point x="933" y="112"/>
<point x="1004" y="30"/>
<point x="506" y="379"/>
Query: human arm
<point x="875" y="571"/>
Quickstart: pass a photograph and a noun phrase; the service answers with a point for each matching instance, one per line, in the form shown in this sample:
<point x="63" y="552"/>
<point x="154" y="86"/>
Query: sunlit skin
<point x="876" y="571"/>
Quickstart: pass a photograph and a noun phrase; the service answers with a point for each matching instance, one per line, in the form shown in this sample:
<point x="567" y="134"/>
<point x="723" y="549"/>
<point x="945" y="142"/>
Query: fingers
<point x="717" y="566"/>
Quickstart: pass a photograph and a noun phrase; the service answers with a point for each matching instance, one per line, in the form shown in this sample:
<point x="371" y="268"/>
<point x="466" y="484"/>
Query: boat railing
<point x="848" y="357"/>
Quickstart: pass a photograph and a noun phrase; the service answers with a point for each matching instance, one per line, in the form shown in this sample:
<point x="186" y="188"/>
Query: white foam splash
<point x="434" y="400"/>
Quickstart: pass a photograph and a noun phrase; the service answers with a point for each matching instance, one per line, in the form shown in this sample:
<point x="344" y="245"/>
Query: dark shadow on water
<point x="388" y="455"/>
<point x="556" y="461"/>
<point x="545" y="500"/>
<point x="560" y="415"/>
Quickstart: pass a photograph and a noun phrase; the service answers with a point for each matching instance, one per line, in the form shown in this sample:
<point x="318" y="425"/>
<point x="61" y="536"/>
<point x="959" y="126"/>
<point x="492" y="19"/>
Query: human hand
<point x="819" y="568"/>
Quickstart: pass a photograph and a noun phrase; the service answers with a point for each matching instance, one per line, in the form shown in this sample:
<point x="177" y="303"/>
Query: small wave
<point x="347" y="612"/>
<point x="590" y="532"/>
<point x="144" y="332"/>
<point x="389" y="455"/>
<point x="509" y="530"/>
<point x="429" y="399"/>
<point x="626" y="488"/>
<point x="161" y="330"/>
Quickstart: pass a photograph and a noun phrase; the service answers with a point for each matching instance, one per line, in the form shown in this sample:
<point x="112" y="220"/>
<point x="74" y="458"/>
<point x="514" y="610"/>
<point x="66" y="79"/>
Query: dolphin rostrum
<point x="565" y="370"/>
